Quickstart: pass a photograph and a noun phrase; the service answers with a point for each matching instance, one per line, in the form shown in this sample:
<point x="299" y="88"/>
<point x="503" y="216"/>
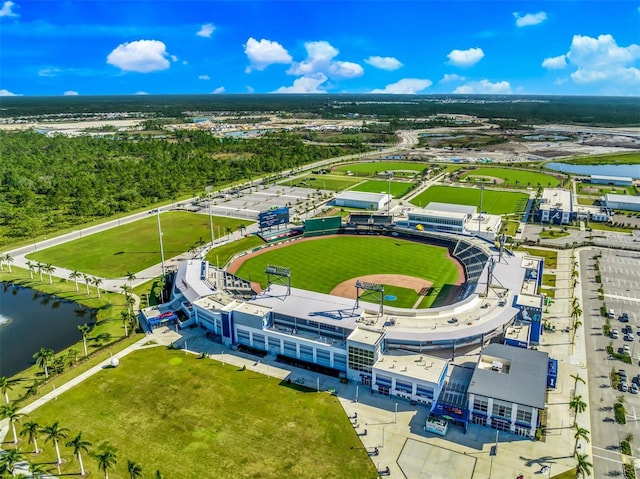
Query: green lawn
<point x="134" y="246"/>
<point x="607" y="159"/>
<point x="493" y="202"/>
<point x="324" y="182"/>
<point x="370" y="169"/>
<point x="398" y="189"/>
<point x="601" y="190"/>
<point x="222" y="254"/>
<point x="551" y="233"/>
<point x="511" y="177"/>
<point x="550" y="257"/>
<point x="190" y="417"/>
<point x="321" y="264"/>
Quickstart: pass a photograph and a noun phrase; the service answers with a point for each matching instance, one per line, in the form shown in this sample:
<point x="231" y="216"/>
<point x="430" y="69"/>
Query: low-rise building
<point x="622" y="202"/>
<point x="556" y="206"/>
<point x="611" y="180"/>
<point x="362" y="200"/>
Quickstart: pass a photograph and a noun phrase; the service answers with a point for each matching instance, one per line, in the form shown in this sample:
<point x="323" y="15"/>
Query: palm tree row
<point x="6" y="259"/>
<point x="55" y="434"/>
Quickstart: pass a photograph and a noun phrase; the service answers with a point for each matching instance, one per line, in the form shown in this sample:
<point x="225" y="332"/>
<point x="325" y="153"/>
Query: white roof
<point x="366" y="336"/>
<point x="622" y="198"/>
<point x="611" y="178"/>
<point x="556" y="197"/>
<point x="451" y="208"/>
<point x="414" y="366"/>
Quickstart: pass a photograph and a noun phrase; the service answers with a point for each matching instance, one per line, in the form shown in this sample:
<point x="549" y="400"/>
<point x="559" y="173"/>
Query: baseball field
<point x="415" y="273"/>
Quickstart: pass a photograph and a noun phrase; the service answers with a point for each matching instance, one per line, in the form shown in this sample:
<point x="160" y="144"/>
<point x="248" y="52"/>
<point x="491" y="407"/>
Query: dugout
<point x="322" y="226"/>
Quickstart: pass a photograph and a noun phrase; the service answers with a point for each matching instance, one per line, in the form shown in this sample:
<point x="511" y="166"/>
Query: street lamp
<point x="395" y="415"/>
<point x="161" y="247"/>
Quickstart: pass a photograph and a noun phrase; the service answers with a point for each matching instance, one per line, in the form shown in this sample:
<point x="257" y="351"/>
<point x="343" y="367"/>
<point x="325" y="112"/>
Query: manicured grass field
<point x="615" y="159"/>
<point x="493" y="202"/>
<point x="222" y="254"/>
<point x="134" y="246"/>
<point x="325" y="182"/>
<point x="550" y="257"/>
<point x="195" y="418"/>
<point x="398" y="189"/>
<point x="370" y="169"/>
<point x="511" y="177"/>
<point x="321" y="264"/>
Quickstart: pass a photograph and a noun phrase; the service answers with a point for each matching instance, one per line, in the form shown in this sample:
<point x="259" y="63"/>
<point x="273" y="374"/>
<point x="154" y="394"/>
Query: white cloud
<point x="345" y="70"/>
<point x="465" y="58"/>
<point x="204" y="77"/>
<point x="305" y="84"/>
<point x="141" y="93"/>
<point x="320" y="61"/>
<point x="384" y="63"/>
<point x="601" y="59"/>
<point x="263" y="53"/>
<point x="484" y="87"/>
<point x="529" y="19"/>
<point x="7" y="9"/>
<point x="555" y="63"/>
<point x="5" y="92"/>
<point x="406" y="86"/>
<point x="174" y="58"/>
<point x="70" y="93"/>
<point x="218" y="90"/>
<point x="49" y="72"/>
<point x="250" y="89"/>
<point x="142" y="56"/>
<point x="452" y="77"/>
<point x="206" y="30"/>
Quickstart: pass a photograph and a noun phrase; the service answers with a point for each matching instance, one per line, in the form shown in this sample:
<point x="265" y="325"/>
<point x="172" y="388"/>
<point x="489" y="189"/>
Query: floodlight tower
<point x="161" y="246"/>
<point x="370" y="289"/>
<point x="282" y="274"/>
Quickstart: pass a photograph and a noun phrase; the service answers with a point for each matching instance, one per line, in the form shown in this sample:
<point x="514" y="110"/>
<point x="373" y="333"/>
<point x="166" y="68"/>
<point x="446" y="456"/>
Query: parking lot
<point x="620" y="274"/>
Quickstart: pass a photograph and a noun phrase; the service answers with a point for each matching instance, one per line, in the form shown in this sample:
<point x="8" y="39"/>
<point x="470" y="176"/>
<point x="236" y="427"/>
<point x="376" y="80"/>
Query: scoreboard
<point x="274" y="217"/>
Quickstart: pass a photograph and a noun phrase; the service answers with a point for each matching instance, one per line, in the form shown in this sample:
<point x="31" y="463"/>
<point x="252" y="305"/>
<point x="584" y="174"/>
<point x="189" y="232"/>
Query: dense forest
<point x="521" y="109"/>
<point x="49" y="183"/>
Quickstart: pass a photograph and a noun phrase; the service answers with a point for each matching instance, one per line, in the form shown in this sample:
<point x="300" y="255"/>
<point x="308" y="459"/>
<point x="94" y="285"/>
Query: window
<point x="501" y="410"/>
<point x="360" y="359"/>
<point x="480" y="405"/>
<point x="523" y="415"/>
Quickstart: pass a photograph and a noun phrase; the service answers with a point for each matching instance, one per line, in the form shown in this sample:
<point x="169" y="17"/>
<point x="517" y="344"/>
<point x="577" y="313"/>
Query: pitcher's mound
<point x="347" y="289"/>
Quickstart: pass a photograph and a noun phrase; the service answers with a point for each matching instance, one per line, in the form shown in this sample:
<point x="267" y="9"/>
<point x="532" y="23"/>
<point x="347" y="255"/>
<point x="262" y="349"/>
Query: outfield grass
<point x="222" y="254"/>
<point x="191" y="418"/>
<point x="370" y="169"/>
<point x="493" y="201"/>
<point x="511" y="177"/>
<point x="324" y="182"/>
<point x="134" y="246"/>
<point x="398" y="189"/>
<point x="321" y="264"/>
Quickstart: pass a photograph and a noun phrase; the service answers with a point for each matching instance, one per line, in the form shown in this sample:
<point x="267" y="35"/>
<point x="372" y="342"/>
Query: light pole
<point x="395" y="415"/>
<point x="161" y="247"/>
<point x="389" y="176"/>
<point x="356" y="393"/>
<point x="480" y="216"/>
<point x="211" y="221"/>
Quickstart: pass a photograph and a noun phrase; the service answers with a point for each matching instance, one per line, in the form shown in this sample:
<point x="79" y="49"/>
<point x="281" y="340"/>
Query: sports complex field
<point x="397" y="188"/>
<point x="493" y="201"/>
<point x="371" y="168"/>
<point x="322" y="264"/>
<point x="197" y="418"/>
<point x="135" y="246"/>
<point x="510" y="177"/>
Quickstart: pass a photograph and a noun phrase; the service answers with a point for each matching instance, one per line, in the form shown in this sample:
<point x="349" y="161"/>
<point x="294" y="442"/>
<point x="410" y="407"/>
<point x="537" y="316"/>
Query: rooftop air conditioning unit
<point x="496" y="366"/>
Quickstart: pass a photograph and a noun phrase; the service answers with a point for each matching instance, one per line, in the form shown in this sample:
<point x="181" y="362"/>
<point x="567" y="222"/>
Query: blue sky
<point x="94" y="47"/>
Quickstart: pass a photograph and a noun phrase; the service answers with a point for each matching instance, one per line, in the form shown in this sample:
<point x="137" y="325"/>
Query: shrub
<point x="625" y="448"/>
<point x="620" y="413"/>
<point x="629" y="471"/>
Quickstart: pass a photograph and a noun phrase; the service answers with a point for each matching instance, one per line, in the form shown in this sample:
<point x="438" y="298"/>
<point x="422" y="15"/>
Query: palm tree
<point x="228" y="230"/>
<point x="162" y="282"/>
<point x="576" y="324"/>
<point x="31" y="429"/>
<point x="78" y="444"/>
<point x="576" y="379"/>
<point x="581" y="433"/>
<point x="131" y="277"/>
<point x="106" y="460"/>
<point x="49" y="269"/>
<point x="583" y="466"/>
<point x="31" y="267"/>
<point x="97" y="282"/>
<point x="74" y="275"/>
<point x="577" y="405"/>
<point x="134" y="470"/>
<point x="84" y="330"/>
<point x="55" y="433"/>
<point x="158" y="475"/>
<point x="10" y="412"/>
<point x="37" y="469"/>
<point x="7" y="258"/>
<point x="131" y="301"/>
<point x="9" y="460"/>
<point x="42" y="358"/>
<point x="125" y="320"/>
<point x="126" y="289"/>
<point x="6" y="385"/>
<point x="87" y="280"/>
<point x="40" y="269"/>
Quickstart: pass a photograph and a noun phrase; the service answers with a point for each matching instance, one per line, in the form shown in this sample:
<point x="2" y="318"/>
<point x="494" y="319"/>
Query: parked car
<point x="628" y="337"/>
<point x="626" y="350"/>
<point x="624" y="318"/>
<point x="623" y="387"/>
<point x="614" y="334"/>
<point x="633" y="389"/>
<point x="623" y="375"/>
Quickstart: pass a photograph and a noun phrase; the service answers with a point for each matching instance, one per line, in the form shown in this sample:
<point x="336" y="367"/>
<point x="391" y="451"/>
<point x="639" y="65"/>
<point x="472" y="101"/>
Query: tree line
<point x="49" y="183"/>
